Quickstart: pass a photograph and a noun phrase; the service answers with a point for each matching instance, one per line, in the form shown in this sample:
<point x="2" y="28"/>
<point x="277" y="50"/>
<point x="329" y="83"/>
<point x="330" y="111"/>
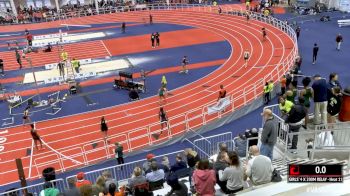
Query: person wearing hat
<point x="49" y="190"/>
<point x="177" y="188"/>
<point x="81" y="180"/>
<point x="269" y="134"/>
<point x="147" y="164"/>
<point x="320" y="95"/>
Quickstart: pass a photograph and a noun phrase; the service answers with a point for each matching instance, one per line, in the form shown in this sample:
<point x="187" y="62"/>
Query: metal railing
<point x="210" y="145"/>
<point x="36" y="188"/>
<point x="193" y="118"/>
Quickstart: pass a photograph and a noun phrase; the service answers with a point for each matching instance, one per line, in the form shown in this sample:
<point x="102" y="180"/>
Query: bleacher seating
<point x="344" y="23"/>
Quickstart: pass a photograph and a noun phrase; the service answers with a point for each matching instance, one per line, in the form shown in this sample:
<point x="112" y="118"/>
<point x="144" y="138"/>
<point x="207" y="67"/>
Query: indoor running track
<point x="136" y="121"/>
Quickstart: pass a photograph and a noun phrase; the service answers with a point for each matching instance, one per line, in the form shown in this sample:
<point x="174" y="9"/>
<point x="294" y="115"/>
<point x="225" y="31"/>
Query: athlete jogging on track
<point x="163" y="119"/>
<point x="36" y="137"/>
<point x="246" y="58"/>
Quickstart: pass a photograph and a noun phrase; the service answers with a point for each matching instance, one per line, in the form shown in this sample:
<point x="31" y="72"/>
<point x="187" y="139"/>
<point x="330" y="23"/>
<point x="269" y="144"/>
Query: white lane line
<point x="105" y="47"/>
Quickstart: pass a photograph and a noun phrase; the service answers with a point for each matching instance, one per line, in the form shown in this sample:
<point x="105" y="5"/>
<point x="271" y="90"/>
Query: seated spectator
<point x="179" y="164"/>
<point x="72" y="190"/>
<point x="108" y="179"/>
<point x="147" y="164"/>
<point x="165" y="162"/>
<point x="159" y="165"/>
<point x="204" y="179"/>
<point x="49" y="190"/>
<point x="136" y="178"/>
<point x="177" y="188"/>
<point x="112" y="190"/>
<point x="86" y="190"/>
<point x="156" y="174"/>
<point x="252" y="134"/>
<point x="259" y="168"/>
<point x="233" y="174"/>
<point x="223" y="147"/>
<point x="221" y="164"/>
<point x="241" y="145"/>
<point x="99" y="187"/>
<point x="81" y="181"/>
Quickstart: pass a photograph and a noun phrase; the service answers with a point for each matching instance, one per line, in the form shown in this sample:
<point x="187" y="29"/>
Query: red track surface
<point x="131" y="121"/>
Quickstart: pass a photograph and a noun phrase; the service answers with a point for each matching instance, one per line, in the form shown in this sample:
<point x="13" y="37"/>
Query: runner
<point x="150" y="19"/>
<point x="104" y="129"/>
<point x="163" y="119"/>
<point x="123" y="27"/>
<point x="157" y="39"/>
<point x="26" y="118"/>
<point x="247" y="17"/>
<point x="153" y="37"/>
<point x="264" y="34"/>
<point x="164" y="81"/>
<point x="246" y="58"/>
<point x="184" y="65"/>
<point x="18" y="58"/>
<point x="162" y="95"/>
<point x="36" y="137"/>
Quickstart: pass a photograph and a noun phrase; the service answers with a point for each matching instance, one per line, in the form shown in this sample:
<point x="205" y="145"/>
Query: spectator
<point x="223" y="147"/>
<point x="49" y="190"/>
<point x="320" y="99"/>
<point x="221" y="164"/>
<point x="192" y="159"/>
<point x="177" y="188"/>
<point x="108" y="179"/>
<point x="291" y="94"/>
<point x="179" y="164"/>
<point x="204" y="179"/>
<point x="333" y="82"/>
<point x="306" y="93"/>
<point x="334" y="104"/>
<point x="112" y="190"/>
<point x="119" y="153"/>
<point x="156" y="174"/>
<point x="241" y="145"/>
<point x="99" y="187"/>
<point x="252" y="134"/>
<point x="81" y="181"/>
<point x="233" y="174"/>
<point x="133" y="95"/>
<point x="2" y="67"/>
<point x="283" y="85"/>
<point x="159" y="165"/>
<point x="294" y="120"/>
<point x="269" y="134"/>
<point x="72" y="189"/>
<point x="259" y="168"/>
<point x="147" y="164"/>
<point x="339" y="40"/>
<point x="137" y="178"/>
<point x="285" y="106"/>
<point x="165" y="162"/>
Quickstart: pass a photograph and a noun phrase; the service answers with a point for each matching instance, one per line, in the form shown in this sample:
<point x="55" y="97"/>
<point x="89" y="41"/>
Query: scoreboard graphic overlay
<point x="315" y="173"/>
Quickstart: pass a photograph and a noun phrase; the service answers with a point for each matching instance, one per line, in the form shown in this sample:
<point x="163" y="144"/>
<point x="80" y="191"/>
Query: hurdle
<point x="344" y="23"/>
<point x="8" y="121"/>
<point x="56" y="104"/>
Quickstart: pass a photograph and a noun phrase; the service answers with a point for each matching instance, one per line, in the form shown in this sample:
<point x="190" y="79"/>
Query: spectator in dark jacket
<point x="221" y="164"/>
<point x="320" y="91"/>
<point x="241" y="145"/>
<point x="333" y="82"/>
<point x="269" y="134"/>
<point x="179" y="164"/>
<point x="295" y="120"/>
<point x="177" y="188"/>
<point x="334" y="104"/>
<point x="192" y="159"/>
<point x="252" y="134"/>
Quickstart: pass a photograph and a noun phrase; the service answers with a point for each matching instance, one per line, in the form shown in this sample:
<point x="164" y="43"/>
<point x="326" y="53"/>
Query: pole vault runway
<point x="78" y="137"/>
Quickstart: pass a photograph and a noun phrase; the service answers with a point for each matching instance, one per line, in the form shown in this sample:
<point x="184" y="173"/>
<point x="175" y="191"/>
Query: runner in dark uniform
<point x="153" y="37"/>
<point x="264" y="33"/>
<point x="18" y="59"/>
<point x="104" y="129"/>
<point x="35" y="137"/>
<point x="150" y="19"/>
<point x="26" y="118"/>
<point x="157" y="39"/>
<point x="161" y="93"/>
<point x="222" y="92"/>
<point x="163" y="119"/>
<point x="184" y="63"/>
<point x="123" y="27"/>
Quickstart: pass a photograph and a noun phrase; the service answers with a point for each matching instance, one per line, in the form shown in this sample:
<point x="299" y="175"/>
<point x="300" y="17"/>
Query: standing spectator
<point x="314" y="53"/>
<point x="266" y="93"/>
<point x="184" y="63"/>
<point x="177" y="188"/>
<point x="192" y="159"/>
<point x="72" y="190"/>
<point x="294" y="120"/>
<point x="153" y="38"/>
<point x="147" y="165"/>
<point x="157" y="39"/>
<point x="49" y="190"/>
<point x="297" y="31"/>
<point x="123" y="27"/>
<point x="99" y="186"/>
<point x="2" y="67"/>
<point x="222" y="92"/>
<point x="259" y="168"/>
<point x="233" y="174"/>
<point x="60" y="67"/>
<point x="119" y="153"/>
<point x="104" y="129"/>
<point x="18" y="58"/>
<point x="334" y="104"/>
<point x="333" y="82"/>
<point x="339" y="40"/>
<point x="204" y="179"/>
<point x="179" y="164"/>
<point x="298" y="62"/>
<point x="81" y="180"/>
<point x="219" y="165"/>
<point x="320" y="99"/>
<point x="306" y="93"/>
<point x="108" y="179"/>
<point x="269" y="134"/>
<point x="165" y="162"/>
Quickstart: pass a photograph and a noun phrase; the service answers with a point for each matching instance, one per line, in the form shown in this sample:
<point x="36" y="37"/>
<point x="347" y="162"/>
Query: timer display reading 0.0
<point x="315" y="173"/>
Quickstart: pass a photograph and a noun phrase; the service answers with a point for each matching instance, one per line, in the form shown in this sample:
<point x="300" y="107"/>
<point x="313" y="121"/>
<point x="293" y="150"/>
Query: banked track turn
<point x="136" y="122"/>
